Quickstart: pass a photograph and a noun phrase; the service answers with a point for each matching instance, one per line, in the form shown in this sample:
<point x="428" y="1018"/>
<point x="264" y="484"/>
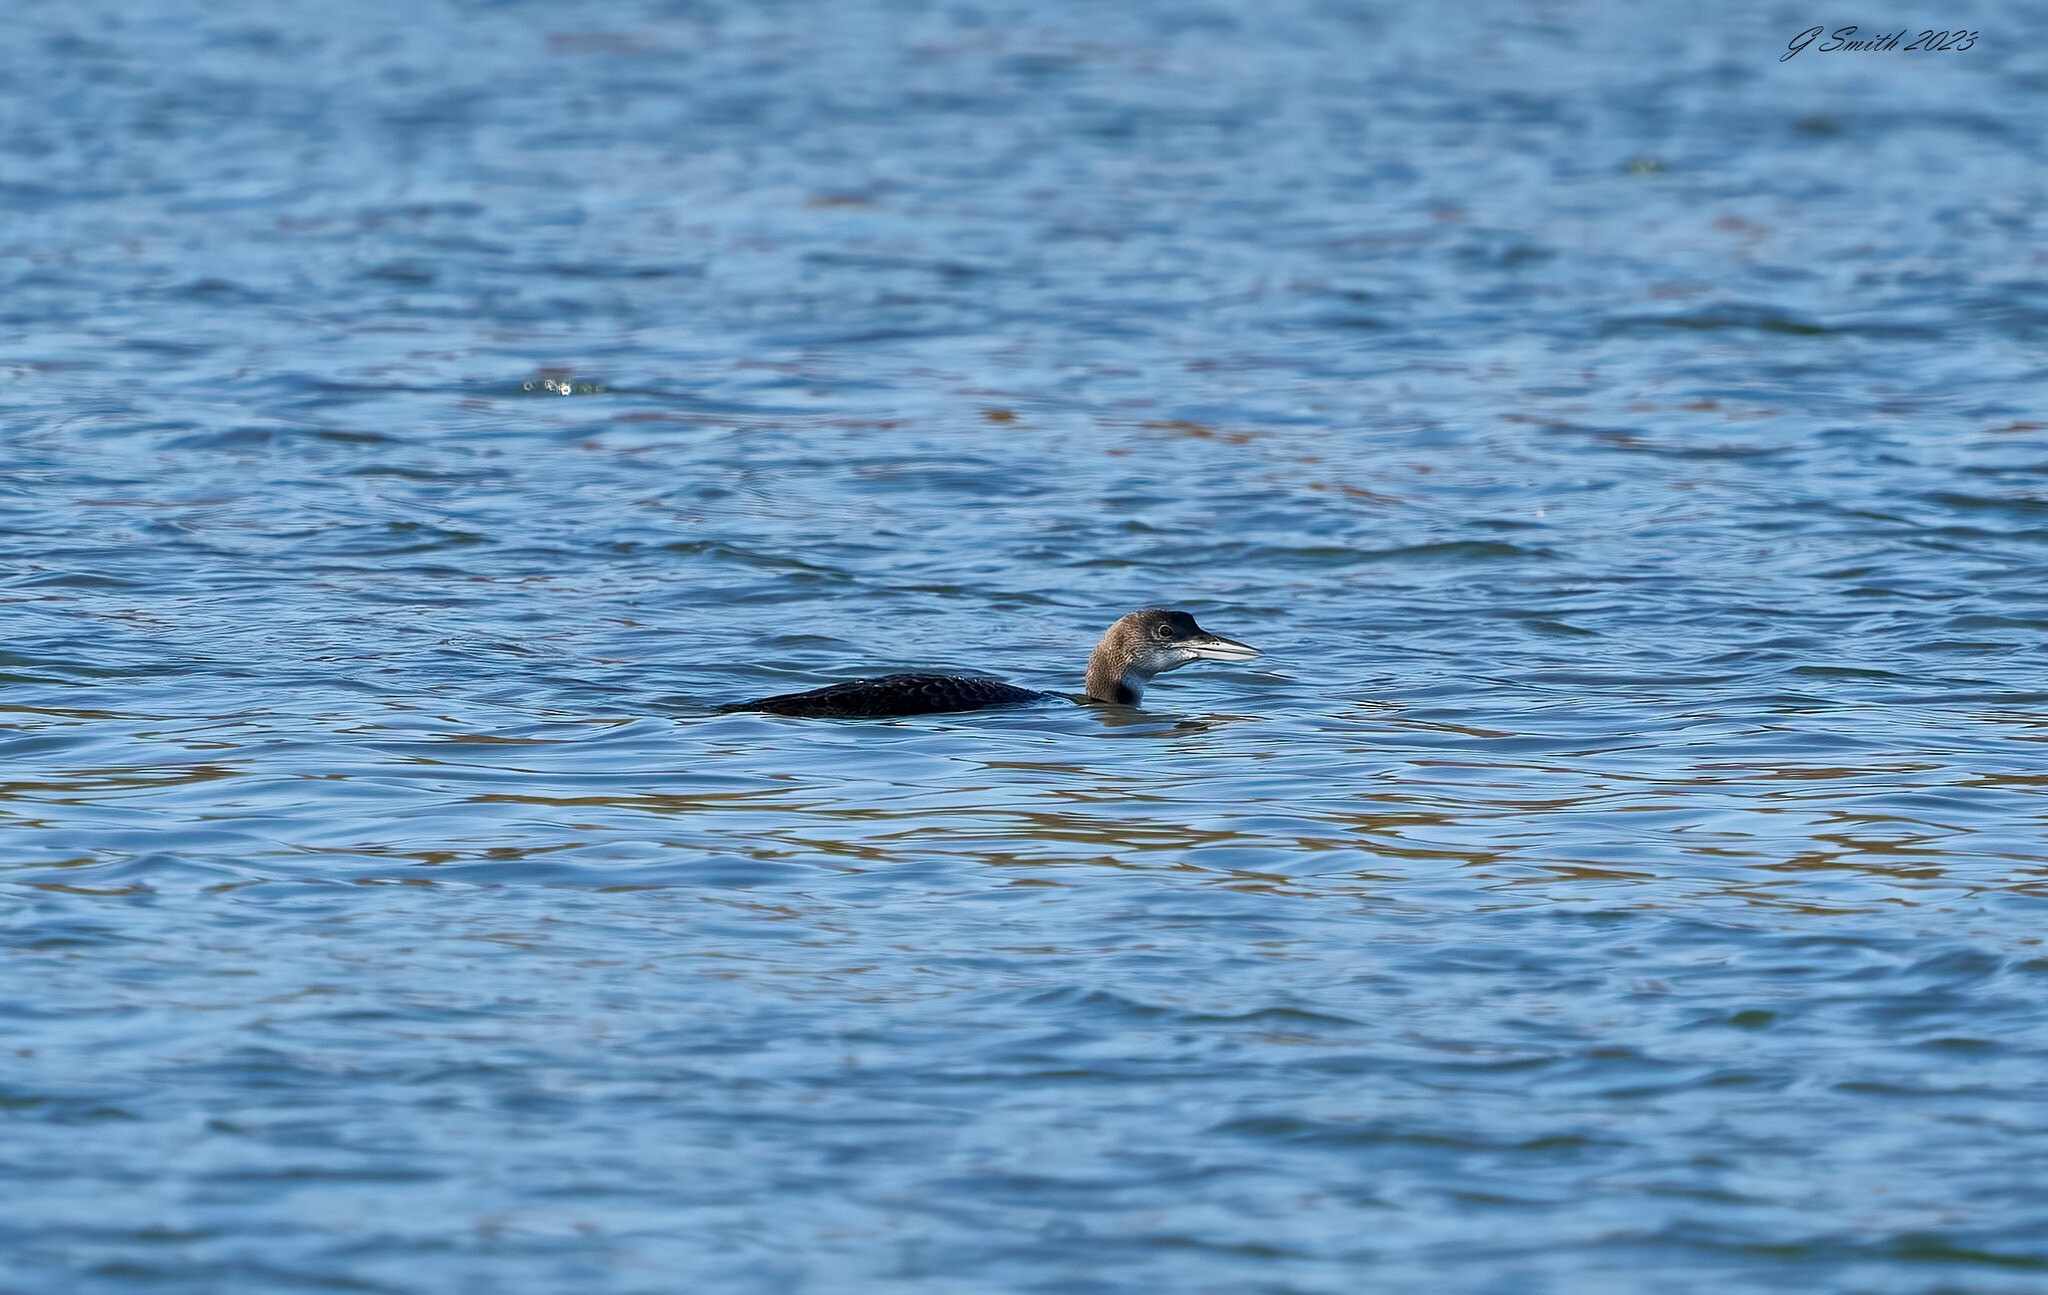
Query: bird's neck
<point x="1110" y="680"/>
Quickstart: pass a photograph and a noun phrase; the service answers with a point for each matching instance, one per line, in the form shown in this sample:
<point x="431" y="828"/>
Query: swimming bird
<point x="1141" y="645"/>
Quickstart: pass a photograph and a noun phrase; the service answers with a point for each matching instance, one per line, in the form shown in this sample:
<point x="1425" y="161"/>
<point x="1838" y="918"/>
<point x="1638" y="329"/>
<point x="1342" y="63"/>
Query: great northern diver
<point x="1142" y="644"/>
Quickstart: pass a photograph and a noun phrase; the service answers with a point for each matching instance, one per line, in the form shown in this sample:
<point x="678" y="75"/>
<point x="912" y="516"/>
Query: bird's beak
<point x="1211" y="647"/>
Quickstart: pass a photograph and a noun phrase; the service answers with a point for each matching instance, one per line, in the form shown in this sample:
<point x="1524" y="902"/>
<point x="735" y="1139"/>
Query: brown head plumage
<point x="1150" y="642"/>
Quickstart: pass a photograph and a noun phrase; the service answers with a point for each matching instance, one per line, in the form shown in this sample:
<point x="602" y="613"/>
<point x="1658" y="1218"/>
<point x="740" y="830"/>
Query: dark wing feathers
<point x="897" y="694"/>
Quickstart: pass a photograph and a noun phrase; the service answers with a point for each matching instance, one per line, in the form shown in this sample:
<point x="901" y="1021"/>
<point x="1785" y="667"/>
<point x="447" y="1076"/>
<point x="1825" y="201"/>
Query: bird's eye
<point x="1164" y="631"/>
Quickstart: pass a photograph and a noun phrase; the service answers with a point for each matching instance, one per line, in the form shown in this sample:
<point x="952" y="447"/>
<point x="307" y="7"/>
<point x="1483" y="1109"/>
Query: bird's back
<point x="898" y="694"/>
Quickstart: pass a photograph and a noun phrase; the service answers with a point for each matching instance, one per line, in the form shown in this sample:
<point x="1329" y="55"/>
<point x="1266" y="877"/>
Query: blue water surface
<point x="1624" y="871"/>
